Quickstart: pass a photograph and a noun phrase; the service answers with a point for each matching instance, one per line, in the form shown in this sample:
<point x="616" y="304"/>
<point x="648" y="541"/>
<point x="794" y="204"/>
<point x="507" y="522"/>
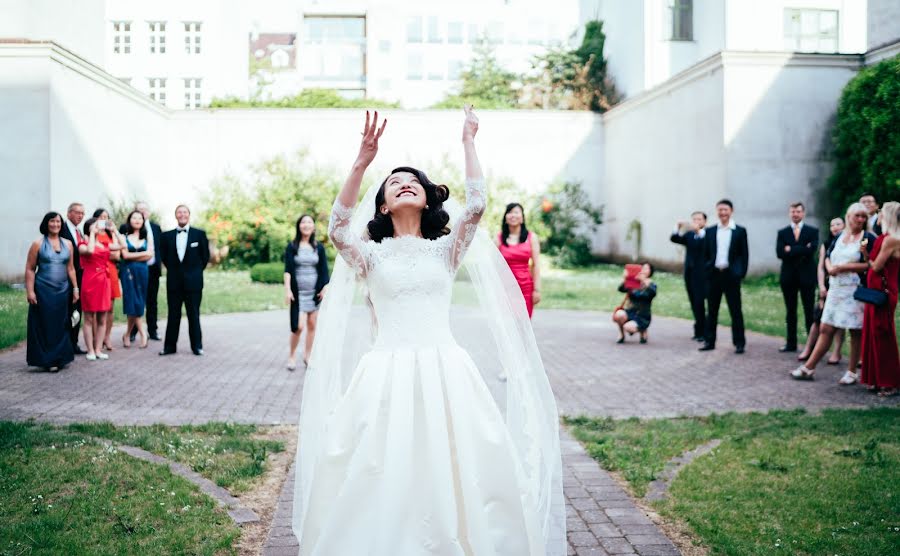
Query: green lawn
<point x="781" y="483"/>
<point x="63" y="493"/>
<point x="13" y="316"/>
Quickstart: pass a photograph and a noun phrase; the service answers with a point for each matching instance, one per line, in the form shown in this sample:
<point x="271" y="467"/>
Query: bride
<point x="403" y="450"/>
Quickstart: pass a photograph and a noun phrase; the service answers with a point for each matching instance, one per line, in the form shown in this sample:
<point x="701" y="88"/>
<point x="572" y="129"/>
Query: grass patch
<point x="13" y="316"/>
<point x="783" y="482"/>
<point x="63" y="493"/>
<point x="230" y="455"/>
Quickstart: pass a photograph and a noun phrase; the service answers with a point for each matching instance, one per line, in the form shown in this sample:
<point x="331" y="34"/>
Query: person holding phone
<point x="96" y="290"/>
<point x="108" y="234"/>
<point x="695" y="274"/>
<point x="633" y="316"/>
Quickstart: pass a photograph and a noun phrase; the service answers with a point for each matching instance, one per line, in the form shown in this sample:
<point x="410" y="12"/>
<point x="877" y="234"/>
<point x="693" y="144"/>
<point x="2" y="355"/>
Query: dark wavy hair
<point x="142" y="232"/>
<point x="45" y="223"/>
<point x="297" y="234"/>
<point x="434" y="218"/>
<point x="504" y="227"/>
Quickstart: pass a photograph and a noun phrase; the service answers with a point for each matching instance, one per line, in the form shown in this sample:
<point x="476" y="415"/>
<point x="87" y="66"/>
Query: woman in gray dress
<point x="305" y="279"/>
<point x="49" y="273"/>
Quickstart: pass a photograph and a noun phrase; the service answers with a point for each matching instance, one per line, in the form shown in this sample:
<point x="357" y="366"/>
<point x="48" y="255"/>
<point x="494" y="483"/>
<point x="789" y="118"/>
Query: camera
<point x="101" y="224"/>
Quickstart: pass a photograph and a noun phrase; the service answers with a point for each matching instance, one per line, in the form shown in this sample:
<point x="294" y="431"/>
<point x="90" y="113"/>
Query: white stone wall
<point x="883" y="22"/>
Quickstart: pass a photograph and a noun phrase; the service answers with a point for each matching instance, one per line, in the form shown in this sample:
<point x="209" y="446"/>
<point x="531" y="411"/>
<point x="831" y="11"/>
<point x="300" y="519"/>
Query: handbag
<point x="620" y="307"/>
<point x="878" y="298"/>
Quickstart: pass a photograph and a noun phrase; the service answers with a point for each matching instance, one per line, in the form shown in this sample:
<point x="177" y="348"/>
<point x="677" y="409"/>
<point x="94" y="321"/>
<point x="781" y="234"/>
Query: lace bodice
<point x="410" y="279"/>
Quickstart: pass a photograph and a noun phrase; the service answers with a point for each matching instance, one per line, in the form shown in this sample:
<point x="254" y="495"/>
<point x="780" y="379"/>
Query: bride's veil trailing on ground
<point x="345" y="332"/>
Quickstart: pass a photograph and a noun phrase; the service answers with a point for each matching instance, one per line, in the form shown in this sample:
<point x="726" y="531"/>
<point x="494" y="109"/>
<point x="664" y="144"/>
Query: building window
<point x="454" y="69"/>
<point x="157" y="37"/>
<point x="192" y="37"/>
<point x="158" y="89"/>
<point x="122" y="37"/>
<point x="455" y="32"/>
<point x="192" y="95"/>
<point x="811" y="30"/>
<point x="682" y="14"/>
<point x="495" y="32"/>
<point x="536" y="35"/>
<point x="434" y="30"/>
<point x="414" y="66"/>
<point x="474" y="34"/>
<point x="334" y="48"/>
<point x="414" y="29"/>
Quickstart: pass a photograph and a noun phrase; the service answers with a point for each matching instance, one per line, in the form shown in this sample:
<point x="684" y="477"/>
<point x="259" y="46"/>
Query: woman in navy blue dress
<point x="135" y="275"/>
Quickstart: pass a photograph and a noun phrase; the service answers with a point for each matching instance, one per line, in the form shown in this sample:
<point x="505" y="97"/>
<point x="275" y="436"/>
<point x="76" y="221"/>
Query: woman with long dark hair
<point x="135" y="276"/>
<point x="522" y="251"/>
<point x="110" y="234"/>
<point x="305" y="280"/>
<point x="96" y="288"/>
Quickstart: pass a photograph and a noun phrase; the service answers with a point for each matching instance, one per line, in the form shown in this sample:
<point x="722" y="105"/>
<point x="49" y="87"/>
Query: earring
<point x="426" y="207"/>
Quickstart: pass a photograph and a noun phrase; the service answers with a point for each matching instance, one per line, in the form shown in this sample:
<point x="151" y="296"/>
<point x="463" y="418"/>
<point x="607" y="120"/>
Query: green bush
<point x="570" y="219"/>
<point x="307" y="98"/>
<point x="267" y="273"/>
<point x="866" y="136"/>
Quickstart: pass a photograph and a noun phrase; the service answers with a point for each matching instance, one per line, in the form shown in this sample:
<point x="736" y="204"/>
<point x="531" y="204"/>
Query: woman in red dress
<point x="96" y="293"/>
<point x="520" y="247"/>
<point x="115" y="289"/>
<point x="881" y="358"/>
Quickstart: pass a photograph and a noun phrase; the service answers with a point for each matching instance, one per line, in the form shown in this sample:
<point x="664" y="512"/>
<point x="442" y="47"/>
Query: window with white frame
<point x="434" y="29"/>
<point x="495" y="32"/>
<point x="681" y="15"/>
<point x="811" y="30"/>
<point x="536" y="32"/>
<point x="454" y="69"/>
<point x="157" y="37"/>
<point x="455" y="32"/>
<point x="415" y="66"/>
<point x="334" y="48"/>
<point x="414" y="29"/>
<point x="121" y="37"/>
<point x="192" y="37"/>
<point x="157" y="88"/>
<point x="192" y="93"/>
<point x="474" y="33"/>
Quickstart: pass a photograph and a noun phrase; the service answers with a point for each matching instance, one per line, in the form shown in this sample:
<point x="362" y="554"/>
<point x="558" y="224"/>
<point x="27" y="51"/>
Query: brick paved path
<point x="242" y="379"/>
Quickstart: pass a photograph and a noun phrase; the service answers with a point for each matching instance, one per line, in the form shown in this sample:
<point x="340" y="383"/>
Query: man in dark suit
<point x="694" y="268"/>
<point x="185" y="252"/>
<point x="154" y="265"/>
<point x="796" y="246"/>
<point x="871" y="203"/>
<point x="70" y="231"/>
<point x="727" y="258"/>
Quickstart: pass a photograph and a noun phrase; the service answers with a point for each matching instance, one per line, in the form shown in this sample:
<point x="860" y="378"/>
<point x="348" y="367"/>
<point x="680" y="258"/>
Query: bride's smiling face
<point x="402" y="190"/>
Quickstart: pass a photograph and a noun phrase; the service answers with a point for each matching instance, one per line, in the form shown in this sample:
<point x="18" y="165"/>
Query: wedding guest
<point x="71" y="232"/>
<point x="185" y="252"/>
<point x="835" y="228"/>
<point x="522" y="251"/>
<point x="50" y="280"/>
<point x="694" y="268"/>
<point x="796" y="246"/>
<point x="154" y="265"/>
<point x="727" y="259"/>
<point x="107" y="236"/>
<point x="634" y="314"/>
<point x="880" y="357"/>
<point x="96" y="290"/>
<point x="135" y="276"/>
<point x="305" y="279"/>
<point x="843" y="262"/>
<point x="869" y="201"/>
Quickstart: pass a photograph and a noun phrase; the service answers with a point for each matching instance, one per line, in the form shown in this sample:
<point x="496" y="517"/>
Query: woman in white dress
<point x="410" y="454"/>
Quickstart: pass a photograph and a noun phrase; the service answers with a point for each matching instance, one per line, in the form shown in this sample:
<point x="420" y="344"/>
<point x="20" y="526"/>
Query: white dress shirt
<point x="181" y="240"/>
<point x="723" y="243"/>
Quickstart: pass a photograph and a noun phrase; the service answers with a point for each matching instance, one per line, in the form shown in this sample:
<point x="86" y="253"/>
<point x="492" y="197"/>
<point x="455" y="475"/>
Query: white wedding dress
<point x="417" y="458"/>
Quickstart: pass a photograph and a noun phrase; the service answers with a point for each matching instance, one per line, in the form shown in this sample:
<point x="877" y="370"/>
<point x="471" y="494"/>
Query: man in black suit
<point x="727" y="258"/>
<point x="70" y="231"/>
<point x="154" y="265"/>
<point x="694" y="268"/>
<point x="796" y="246"/>
<point x="871" y="203"/>
<point x="185" y="252"/>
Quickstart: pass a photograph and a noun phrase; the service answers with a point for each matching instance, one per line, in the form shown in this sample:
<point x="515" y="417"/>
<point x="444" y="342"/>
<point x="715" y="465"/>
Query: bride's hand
<point x="369" y="146"/>
<point x="470" y="127"/>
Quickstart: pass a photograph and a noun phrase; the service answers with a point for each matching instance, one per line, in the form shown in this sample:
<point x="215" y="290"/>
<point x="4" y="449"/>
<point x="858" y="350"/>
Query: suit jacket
<point x="157" y="242"/>
<point x="76" y="256"/>
<point x="798" y="265"/>
<point x="738" y="251"/>
<point x="322" y="276"/>
<point x="187" y="274"/>
<point x="694" y="249"/>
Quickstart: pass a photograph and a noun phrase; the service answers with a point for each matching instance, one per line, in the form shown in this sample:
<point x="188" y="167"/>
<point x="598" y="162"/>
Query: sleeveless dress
<point x="115" y="289"/>
<point x="96" y="295"/>
<point x="517" y="257"/>
<point x="135" y="279"/>
<point x="841" y="310"/>
<point x="305" y="262"/>
<point x="880" y="357"/>
<point x="49" y="343"/>
<point x="418" y="459"/>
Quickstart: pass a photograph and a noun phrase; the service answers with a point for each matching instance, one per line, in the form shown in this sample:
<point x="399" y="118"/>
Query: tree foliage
<point x="485" y="84"/>
<point x="866" y="137"/>
<point x="307" y="98"/>
<point x="570" y="219"/>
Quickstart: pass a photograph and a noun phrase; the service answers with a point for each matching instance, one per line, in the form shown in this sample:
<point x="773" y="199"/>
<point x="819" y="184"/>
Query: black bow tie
<point x="182" y="231"/>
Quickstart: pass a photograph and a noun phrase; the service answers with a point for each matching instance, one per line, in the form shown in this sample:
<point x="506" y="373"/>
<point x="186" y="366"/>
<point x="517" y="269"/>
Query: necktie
<point x="796" y="233"/>
<point x="78" y="235"/>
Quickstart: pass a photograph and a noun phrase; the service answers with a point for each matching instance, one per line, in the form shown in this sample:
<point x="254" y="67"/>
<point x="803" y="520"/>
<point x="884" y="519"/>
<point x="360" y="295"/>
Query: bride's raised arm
<point x="464" y="230"/>
<point x="342" y="212"/>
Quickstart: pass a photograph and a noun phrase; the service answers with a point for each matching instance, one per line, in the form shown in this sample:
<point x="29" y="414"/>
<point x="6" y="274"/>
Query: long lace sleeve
<point x="350" y="248"/>
<point x="464" y="229"/>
